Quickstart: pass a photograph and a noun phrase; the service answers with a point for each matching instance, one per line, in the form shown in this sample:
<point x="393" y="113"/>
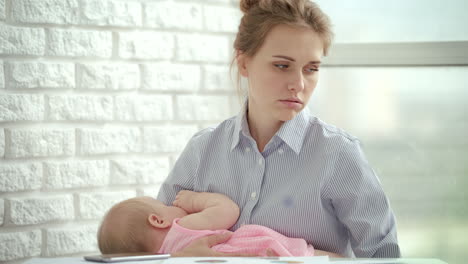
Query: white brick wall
<point x="17" y="245"/>
<point x="37" y="210"/>
<point x="166" y="14"/>
<point x="2" y="75"/>
<point x="20" y="177"/>
<point x="97" y="100"/>
<point x="75" y="174"/>
<point x="18" y="107"/>
<point x="116" y="76"/>
<point x="146" y="45"/>
<point x="2" y="143"/>
<point x="36" y="142"/>
<point x="38" y="11"/>
<point x="79" y="43"/>
<point x="111" y="13"/>
<point x="69" y="240"/>
<point x="95" y="205"/>
<point x="2" y="211"/>
<point x="41" y="75"/>
<point x="2" y="9"/>
<point x="22" y="40"/>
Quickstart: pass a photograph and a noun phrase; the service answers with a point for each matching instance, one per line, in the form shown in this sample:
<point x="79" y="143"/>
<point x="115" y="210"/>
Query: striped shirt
<point x="312" y="181"/>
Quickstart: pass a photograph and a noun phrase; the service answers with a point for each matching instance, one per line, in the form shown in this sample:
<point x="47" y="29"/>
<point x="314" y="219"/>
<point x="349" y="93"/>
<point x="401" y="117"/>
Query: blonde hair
<point x="124" y="227"/>
<point x="260" y="16"/>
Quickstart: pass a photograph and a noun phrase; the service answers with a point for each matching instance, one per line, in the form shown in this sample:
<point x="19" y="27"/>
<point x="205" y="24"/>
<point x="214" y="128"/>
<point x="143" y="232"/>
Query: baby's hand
<point x="185" y="199"/>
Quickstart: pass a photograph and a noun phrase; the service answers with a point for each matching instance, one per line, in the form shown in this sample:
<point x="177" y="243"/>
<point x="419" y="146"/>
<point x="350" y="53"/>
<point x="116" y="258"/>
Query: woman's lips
<point x="294" y="104"/>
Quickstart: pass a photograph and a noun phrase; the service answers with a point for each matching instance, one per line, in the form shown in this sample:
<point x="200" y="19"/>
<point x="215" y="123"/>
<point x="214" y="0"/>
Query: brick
<point x="40" y="143"/>
<point x="167" y="139"/>
<point x="21" y="107"/>
<point x="217" y="78"/>
<point x="41" y="75"/>
<point x="111" y="13"/>
<point x="2" y="10"/>
<point x="143" y="107"/>
<point x="115" y="76"/>
<point x="140" y="171"/>
<point x="169" y="14"/>
<point x="197" y="47"/>
<point x="2" y="75"/>
<point x="71" y="240"/>
<point x="166" y="76"/>
<point x="2" y="143"/>
<point x="76" y="174"/>
<point x="146" y="45"/>
<point x="79" y="43"/>
<point x="110" y="140"/>
<point x="202" y="108"/>
<point x="45" y="11"/>
<point x="21" y="40"/>
<point x="19" y="245"/>
<point x="80" y="107"/>
<point x="222" y="19"/>
<point x="2" y="211"/>
<point x="95" y="205"/>
<point x="20" y="177"/>
<point x="27" y="211"/>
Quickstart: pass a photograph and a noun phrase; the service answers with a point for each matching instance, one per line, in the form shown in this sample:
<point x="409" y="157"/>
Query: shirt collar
<point x="240" y="126"/>
<point x="292" y="132"/>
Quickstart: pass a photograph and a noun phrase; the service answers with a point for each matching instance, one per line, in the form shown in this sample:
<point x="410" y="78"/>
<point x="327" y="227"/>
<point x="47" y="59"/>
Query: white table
<point x="315" y="260"/>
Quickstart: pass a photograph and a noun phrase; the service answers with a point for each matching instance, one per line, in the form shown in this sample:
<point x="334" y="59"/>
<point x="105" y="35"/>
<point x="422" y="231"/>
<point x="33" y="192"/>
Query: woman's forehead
<point x="295" y="42"/>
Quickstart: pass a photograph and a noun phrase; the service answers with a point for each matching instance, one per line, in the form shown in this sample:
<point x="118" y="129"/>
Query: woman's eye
<point x="281" y="66"/>
<point x="312" y="69"/>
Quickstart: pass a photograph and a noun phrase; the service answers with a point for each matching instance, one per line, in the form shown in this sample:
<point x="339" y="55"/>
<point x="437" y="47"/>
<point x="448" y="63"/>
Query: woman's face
<point x="283" y="73"/>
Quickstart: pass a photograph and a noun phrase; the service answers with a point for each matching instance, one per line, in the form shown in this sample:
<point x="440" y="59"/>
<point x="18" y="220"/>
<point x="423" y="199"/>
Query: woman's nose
<point x="296" y="84"/>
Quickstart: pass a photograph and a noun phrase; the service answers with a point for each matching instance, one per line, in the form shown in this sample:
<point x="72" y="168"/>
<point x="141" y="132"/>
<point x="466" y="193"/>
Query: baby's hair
<point x="123" y="227"/>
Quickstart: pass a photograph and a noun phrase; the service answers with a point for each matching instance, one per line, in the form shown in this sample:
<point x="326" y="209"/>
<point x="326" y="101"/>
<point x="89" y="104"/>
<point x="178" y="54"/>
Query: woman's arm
<point x="362" y="206"/>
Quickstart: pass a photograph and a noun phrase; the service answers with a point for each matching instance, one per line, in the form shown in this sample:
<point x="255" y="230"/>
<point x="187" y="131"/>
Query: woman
<point x="287" y="170"/>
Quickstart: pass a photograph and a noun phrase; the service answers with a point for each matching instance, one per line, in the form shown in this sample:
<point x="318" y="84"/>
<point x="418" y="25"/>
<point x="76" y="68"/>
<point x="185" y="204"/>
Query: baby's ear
<point x="158" y="221"/>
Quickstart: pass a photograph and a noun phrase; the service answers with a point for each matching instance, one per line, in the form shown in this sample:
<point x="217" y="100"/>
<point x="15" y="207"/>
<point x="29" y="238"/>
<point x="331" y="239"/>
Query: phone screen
<point x="109" y="258"/>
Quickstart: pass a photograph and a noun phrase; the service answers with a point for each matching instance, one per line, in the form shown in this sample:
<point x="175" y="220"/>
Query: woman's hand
<point x="202" y="248"/>
<point x="326" y="253"/>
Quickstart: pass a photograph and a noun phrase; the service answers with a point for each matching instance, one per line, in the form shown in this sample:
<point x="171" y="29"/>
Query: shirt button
<point x="280" y="151"/>
<point x="247" y="149"/>
<point x="260" y="161"/>
<point x="253" y="195"/>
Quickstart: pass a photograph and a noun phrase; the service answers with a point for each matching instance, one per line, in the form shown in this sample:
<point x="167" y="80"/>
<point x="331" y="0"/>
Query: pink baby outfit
<point x="250" y="239"/>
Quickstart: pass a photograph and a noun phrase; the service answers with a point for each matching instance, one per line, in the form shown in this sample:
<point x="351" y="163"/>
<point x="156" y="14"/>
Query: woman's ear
<point x="158" y="221"/>
<point x="242" y="59"/>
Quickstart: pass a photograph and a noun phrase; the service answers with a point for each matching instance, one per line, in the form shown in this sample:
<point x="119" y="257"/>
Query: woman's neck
<point x="262" y="128"/>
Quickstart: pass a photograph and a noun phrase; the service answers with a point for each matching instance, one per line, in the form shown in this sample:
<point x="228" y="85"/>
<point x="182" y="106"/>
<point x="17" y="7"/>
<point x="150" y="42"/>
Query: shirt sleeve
<point x="361" y="205"/>
<point x="182" y="174"/>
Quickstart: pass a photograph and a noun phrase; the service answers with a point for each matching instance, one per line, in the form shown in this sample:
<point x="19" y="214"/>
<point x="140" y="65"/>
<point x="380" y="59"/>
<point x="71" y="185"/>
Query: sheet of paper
<point x="279" y="260"/>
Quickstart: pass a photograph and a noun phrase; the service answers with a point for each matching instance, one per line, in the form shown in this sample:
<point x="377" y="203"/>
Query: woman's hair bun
<point x="246" y="5"/>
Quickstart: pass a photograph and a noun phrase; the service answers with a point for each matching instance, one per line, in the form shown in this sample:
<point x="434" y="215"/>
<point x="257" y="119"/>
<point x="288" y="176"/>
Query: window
<point x="397" y="79"/>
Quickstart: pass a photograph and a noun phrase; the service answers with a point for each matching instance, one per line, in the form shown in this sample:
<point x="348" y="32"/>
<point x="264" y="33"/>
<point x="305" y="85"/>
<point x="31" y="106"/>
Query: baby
<point x="144" y="224"/>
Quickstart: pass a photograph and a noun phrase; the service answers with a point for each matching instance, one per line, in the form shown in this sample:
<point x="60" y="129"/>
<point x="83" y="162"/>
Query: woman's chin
<point x="287" y="115"/>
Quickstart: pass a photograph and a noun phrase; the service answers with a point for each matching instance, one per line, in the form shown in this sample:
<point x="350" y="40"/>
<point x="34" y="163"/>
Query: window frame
<point x="447" y="53"/>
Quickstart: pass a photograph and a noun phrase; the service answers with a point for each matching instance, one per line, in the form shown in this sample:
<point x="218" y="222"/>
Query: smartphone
<point x="109" y="258"/>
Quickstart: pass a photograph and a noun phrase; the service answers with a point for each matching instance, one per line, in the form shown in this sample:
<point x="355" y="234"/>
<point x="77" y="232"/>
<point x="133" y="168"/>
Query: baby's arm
<point x="206" y="210"/>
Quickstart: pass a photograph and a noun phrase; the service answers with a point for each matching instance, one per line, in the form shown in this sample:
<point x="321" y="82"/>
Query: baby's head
<point x="136" y="225"/>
